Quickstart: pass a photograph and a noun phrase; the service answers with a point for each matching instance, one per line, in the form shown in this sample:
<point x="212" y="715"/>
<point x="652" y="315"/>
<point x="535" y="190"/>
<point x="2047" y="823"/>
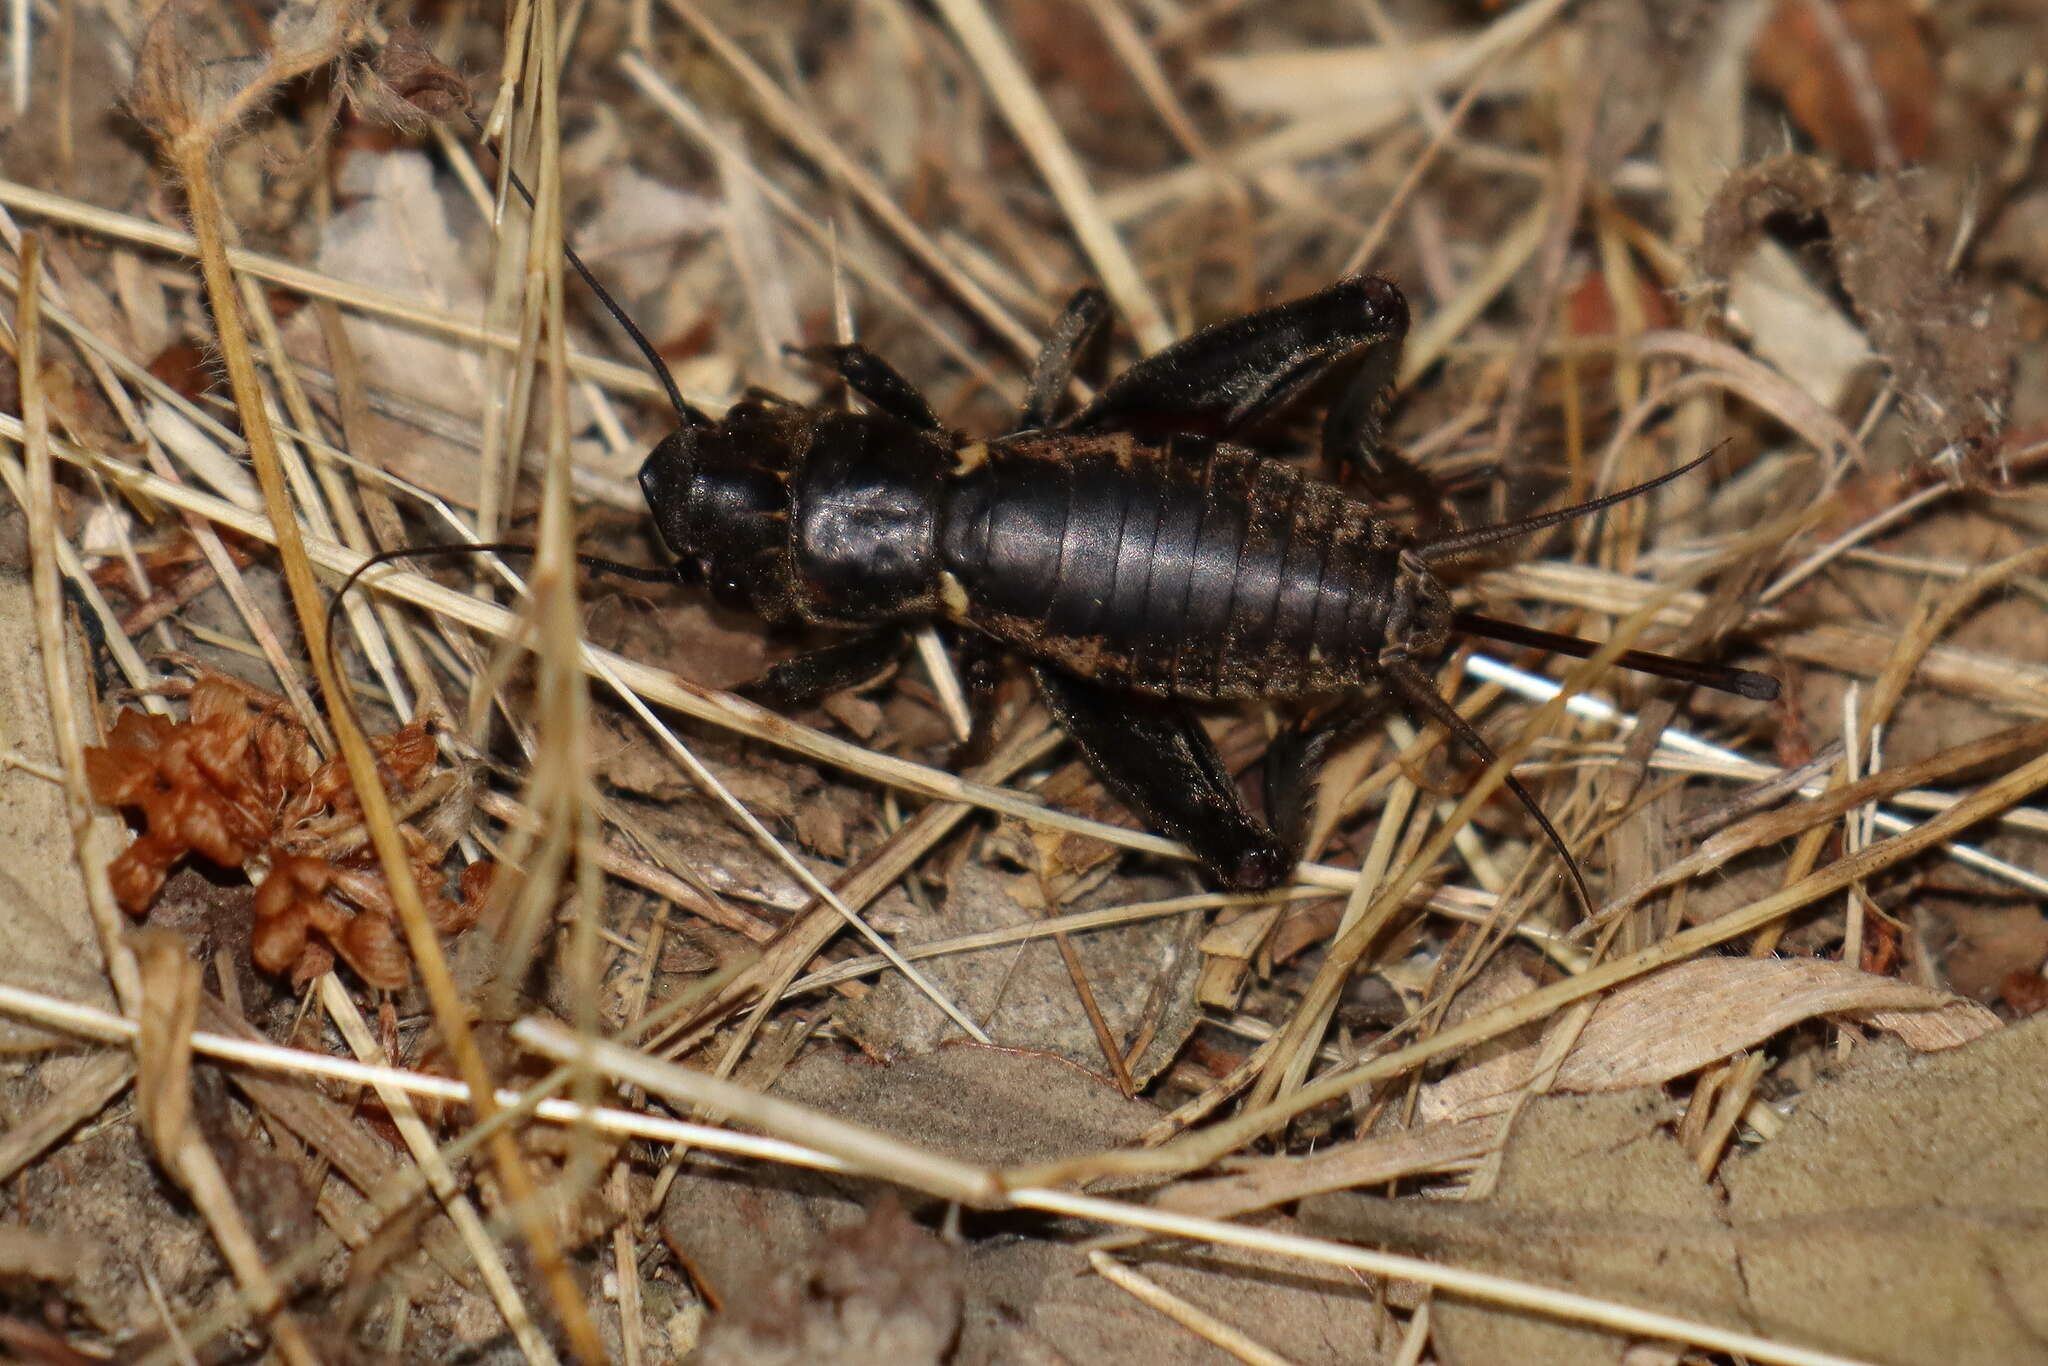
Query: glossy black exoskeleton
<point x="1137" y="558"/>
<point x="1133" y="552"/>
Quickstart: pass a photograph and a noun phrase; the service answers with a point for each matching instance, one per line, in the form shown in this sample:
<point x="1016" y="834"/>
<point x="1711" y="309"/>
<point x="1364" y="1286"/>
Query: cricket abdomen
<point x="1192" y="570"/>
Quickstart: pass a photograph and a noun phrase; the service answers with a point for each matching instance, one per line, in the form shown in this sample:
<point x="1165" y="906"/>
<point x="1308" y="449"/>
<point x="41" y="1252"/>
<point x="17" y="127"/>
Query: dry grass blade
<point x="1914" y="645"/>
<point x="190" y="125"/>
<point x="41" y="503"/>
<point x="1192" y="1317"/>
<point x="1033" y="124"/>
<point x="852" y="1146"/>
<point x="870" y="1151"/>
<point x="1196" y="1151"/>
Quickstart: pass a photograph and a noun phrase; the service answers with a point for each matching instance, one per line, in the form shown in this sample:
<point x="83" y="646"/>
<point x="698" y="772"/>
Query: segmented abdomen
<point x="1192" y="570"/>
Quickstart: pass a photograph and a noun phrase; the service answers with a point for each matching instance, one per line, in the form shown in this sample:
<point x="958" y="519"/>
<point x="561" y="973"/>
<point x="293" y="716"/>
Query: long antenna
<point x="1478" y="538"/>
<point x="1416" y="691"/>
<point x="685" y="413"/>
<point x="1721" y="677"/>
<point x="637" y="573"/>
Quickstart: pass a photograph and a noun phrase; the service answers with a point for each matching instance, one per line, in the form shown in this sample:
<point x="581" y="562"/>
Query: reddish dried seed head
<point x="238" y="779"/>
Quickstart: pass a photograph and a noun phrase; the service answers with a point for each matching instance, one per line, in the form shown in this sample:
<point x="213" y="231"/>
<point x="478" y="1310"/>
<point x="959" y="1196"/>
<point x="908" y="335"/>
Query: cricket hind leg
<point x="875" y="380"/>
<point x="1078" y="324"/>
<point x="1354" y="442"/>
<point x="1228" y="375"/>
<point x="1159" y="761"/>
<point x="1294" y="761"/>
<point x="843" y="664"/>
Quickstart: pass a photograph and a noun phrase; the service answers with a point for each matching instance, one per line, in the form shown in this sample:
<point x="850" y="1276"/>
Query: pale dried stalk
<point x="1261" y="1183"/>
<point x="353" y="410"/>
<point x="619" y="378"/>
<point x="433" y="1166"/>
<point x="1070" y="922"/>
<point x="559" y="787"/>
<point x="41" y="508"/>
<point x="1024" y="109"/>
<point x="1188" y="1315"/>
<point x="311" y="484"/>
<point x="626" y="1269"/>
<point x="192" y="152"/>
<point x="92" y="1023"/>
<point x="123" y="649"/>
<point x="862" y="1149"/>
<point x="1917" y="642"/>
<point x="1854" y="536"/>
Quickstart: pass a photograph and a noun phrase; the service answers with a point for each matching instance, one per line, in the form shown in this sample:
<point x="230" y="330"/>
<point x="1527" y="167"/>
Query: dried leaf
<point x="1678" y="1020"/>
<point x="163" y="1047"/>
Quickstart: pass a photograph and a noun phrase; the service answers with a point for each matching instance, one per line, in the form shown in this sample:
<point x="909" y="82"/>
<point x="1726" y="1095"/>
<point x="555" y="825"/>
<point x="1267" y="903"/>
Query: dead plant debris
<point x="1888" y="244"/>
<point x="1775" y="1100"/>
<point x="239" y="783"/>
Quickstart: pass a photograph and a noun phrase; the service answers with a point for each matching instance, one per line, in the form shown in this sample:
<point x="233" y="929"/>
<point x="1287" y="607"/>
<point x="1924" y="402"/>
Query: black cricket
<point x="1139" y="560"/>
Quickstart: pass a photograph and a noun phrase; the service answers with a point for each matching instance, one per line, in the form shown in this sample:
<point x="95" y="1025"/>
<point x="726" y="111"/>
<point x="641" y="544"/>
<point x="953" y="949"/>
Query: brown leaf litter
<point x="1950" y="353"/>
<point x="239" y="783"/>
